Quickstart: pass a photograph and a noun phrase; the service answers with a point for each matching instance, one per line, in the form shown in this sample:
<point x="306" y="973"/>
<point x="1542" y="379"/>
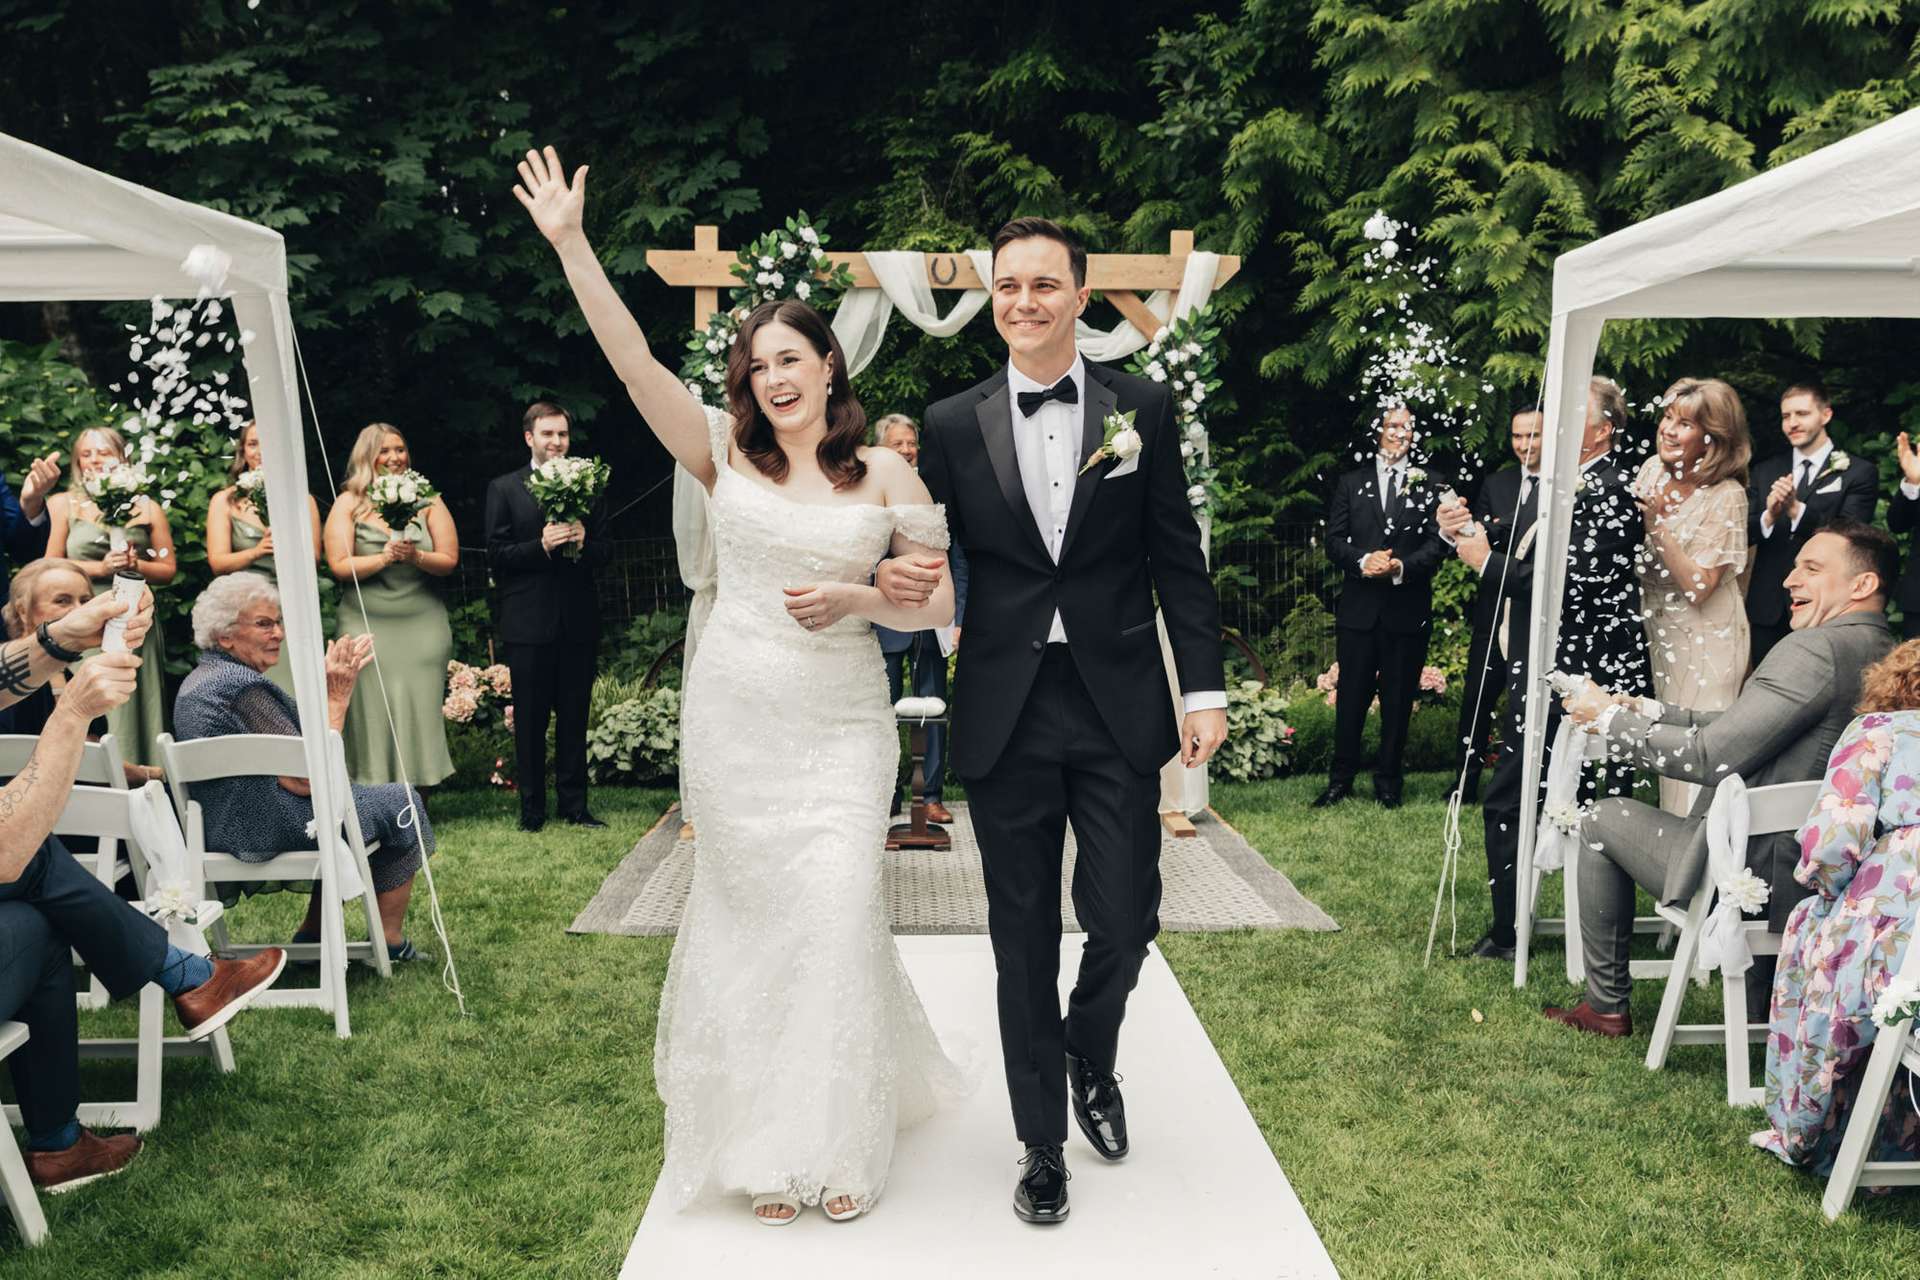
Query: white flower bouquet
<point x="251" y="486"/>
<point x="118" y="490"/>
<point x="566" y="490"/>
<point x="399" y="496"/>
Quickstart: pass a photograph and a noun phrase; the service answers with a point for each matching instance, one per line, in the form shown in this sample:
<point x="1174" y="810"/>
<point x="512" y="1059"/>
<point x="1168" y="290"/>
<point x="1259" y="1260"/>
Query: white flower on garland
<point x="802" y="290"/>
<point x="788" y="248"/>
<point x="1899" y="1002"/>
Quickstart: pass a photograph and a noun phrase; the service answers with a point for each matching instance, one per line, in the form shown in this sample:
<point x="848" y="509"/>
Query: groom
<point x="1060" y="707"/>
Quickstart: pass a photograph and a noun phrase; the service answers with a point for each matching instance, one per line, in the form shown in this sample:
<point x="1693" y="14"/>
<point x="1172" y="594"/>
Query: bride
<point x="791" y="1045"/>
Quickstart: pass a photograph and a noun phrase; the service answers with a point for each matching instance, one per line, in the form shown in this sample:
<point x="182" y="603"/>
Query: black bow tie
<point x="1064" y="391"/>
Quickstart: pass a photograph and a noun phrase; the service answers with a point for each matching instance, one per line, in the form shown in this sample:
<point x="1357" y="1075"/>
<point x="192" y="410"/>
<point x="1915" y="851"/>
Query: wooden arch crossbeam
<point x="1121" y="278"/>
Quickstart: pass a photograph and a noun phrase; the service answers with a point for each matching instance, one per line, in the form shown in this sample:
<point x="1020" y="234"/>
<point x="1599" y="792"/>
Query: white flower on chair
<point x="1746" y="891"/>
<point x="1898" y="1003"/>
<point x="173" y="901"/>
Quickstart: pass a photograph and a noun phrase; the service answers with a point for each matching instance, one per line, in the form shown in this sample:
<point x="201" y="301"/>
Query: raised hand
<point x="42" y="475"/>
<point x="555" y="204"/>
<point x="1909" y="459"/>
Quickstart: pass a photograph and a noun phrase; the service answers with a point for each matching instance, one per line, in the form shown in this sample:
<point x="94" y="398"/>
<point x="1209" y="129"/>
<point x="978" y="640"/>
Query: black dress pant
<point x="54" y="908"/>
<point x="1374" y="662"/>
<point x="551" y="680"/>
<point x="1061" y="766"/>
<point x="1479" y="694"/>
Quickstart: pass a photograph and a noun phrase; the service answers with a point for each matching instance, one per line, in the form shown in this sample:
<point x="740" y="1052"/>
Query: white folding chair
<point x="1893" y="1048"/>
<point x="1568" y="924"/>
<point x="22" y="1200"/>
<point x="91" y="810"/>
<point x="100" y="766"/>
<point x="1770" y="810"/>
<point x="277" y="756"/>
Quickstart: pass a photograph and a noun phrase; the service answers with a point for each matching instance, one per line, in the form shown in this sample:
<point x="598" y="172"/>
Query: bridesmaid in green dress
<point x="238" y="542"/>
<point x="74" y="530"/>
<point x="402" y="611"/>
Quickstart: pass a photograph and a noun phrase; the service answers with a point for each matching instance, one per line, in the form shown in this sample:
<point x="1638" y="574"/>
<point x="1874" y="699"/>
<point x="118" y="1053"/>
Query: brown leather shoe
<point x="88" y="1160"/>
<point x="937" y="812"/>
<point x="1584" y="1017"/>
<point x="234" y="984"/>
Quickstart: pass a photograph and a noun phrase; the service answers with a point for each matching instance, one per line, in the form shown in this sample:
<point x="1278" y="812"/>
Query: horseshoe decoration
<point x="953" y="269"/>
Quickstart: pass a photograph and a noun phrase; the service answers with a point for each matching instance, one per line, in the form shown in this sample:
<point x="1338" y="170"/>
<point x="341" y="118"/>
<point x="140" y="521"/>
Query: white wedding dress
<point x="791" y="1045"/>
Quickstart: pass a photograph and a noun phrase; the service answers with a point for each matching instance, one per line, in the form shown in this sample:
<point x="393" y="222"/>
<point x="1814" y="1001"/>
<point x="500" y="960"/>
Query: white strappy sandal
<point x="829" y="1195"/>
<point x="774" y="1198"/>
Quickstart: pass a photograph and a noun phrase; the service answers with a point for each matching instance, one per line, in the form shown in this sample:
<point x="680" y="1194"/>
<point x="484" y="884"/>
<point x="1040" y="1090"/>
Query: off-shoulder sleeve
<point x="719" y="434"/>
<point x="922" y="522"/>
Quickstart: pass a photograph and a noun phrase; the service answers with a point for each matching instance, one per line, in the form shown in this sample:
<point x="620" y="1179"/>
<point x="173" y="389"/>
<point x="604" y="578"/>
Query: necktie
<point x="1526" y="490"/>
<point x="1064" y="391"/>
<point x="1393" y="492"/>
<point x="1805" y="486"/>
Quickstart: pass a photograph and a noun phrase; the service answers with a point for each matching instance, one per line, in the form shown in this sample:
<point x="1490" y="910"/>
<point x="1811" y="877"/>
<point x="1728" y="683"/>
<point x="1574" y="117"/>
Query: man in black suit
<point x="1380" y="534"/>
<point x="548" y="624"/>
<point x="1060" y="703"/>
<point x="1505" y="507"/>
<point x="23" y="520"/>
<point x="1601" y="633"/>
<point x="1791" y="497"/>
<point x="1903" y="514"/>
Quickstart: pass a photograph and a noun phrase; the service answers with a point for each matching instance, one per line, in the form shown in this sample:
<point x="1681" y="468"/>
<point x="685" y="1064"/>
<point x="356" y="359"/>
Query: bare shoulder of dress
<point x="923" y="522"/>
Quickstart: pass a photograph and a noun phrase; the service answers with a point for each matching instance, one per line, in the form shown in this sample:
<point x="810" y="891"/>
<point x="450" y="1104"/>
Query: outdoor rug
<point x="1213" y="881"/>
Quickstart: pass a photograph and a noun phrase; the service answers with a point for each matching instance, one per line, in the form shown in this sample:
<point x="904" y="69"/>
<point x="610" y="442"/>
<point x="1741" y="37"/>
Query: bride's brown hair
<point x="839" y="451"/>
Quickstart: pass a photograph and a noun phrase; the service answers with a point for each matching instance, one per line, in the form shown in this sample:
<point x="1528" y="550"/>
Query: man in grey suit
<point x="1780" y="729"/>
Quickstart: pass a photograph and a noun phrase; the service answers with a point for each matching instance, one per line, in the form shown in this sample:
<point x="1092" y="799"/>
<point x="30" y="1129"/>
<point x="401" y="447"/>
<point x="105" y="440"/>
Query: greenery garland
<point x="787" y="263"/>
<point x="1183" y="356"/>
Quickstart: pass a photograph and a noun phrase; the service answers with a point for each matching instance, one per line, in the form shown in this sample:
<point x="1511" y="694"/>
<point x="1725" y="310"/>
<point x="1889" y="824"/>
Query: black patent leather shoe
<point x="1097" y="1107"/>
<point x="1041" y="1194"/>
<point x="532" y="822"/>
<point x="1488" y="949"/>
<point x="1334" y="794"/>
<point x="584" y="819"/>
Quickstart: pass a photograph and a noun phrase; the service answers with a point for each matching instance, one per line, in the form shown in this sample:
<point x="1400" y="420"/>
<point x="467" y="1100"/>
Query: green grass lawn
<point x="524" y="1140"/>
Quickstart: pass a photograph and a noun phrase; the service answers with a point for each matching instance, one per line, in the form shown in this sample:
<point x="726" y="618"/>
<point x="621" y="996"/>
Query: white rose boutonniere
<point x="1416" y="476"/>
<point x="1836" y="461"/>
<point x="1121" y="441"/>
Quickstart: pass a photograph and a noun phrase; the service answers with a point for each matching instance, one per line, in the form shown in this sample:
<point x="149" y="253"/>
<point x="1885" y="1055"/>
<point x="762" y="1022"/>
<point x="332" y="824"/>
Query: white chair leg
<point x="376" y="932"/>
<point x="22" y="1200"/>
<point x="1733" y="1015"/>
<point x="1685" y="949"/>
<point x="153" y="1030"/>
<point x="333" y="954"/>
<point x="1570" y="893"/>
<point x="1863" y="1122"/>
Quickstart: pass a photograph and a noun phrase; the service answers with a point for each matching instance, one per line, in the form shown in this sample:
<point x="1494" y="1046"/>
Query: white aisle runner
<point x="1201" y="1195"/>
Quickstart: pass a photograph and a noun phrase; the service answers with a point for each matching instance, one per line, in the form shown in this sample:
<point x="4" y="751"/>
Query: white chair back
<point x="100" y="762"/>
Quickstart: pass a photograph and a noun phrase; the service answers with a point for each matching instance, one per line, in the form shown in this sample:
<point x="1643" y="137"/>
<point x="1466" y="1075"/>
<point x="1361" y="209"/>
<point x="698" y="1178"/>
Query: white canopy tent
<point x="1836" y="233"/>
<point x="70" y="233"/>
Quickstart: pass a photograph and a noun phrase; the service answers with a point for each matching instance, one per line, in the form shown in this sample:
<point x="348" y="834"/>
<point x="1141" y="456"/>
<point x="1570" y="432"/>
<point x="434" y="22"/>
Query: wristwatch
<point x="54" y="648"/>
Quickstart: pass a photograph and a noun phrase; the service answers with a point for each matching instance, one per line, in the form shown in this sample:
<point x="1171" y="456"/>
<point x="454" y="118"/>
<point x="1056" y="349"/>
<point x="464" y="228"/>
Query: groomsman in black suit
<point x="1903" y="514"/>
<point x="1791" y="497"/>
<point x="1601" y="632"/>
<point x="1505" y="507"/>
<point x="548" y="623"/>
<point x="1380" y="533"/>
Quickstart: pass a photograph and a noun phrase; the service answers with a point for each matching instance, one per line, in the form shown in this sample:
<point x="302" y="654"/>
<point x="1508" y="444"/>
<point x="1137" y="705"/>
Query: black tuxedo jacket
<point x="1494" y="510"/>
<point x="543" y="599"/>
<point x="1903" y="513"/>
<point x="1357" y="523"/>
<point x="1837" y="495"/>
<point x="1128" y="539"/>
<point x="1601" y="632"/>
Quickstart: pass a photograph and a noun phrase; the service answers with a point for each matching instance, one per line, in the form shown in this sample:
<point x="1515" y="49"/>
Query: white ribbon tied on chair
<point x="1723" y="939"/>
<point x="158" y="830"/>
<point x="1560" y="811"/>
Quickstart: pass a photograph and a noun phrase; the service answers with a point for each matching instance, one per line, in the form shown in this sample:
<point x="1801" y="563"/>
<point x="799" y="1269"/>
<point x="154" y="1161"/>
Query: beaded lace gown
<point x="791" y="1045"/>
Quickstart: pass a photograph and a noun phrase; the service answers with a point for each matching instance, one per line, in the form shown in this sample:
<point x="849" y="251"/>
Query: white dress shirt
<point x="1047" y="446"/>
<point x="1819" y="460"/>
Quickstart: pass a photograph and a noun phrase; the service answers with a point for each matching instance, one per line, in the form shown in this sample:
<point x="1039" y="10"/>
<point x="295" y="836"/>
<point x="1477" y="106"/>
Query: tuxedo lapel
<point x="1100" y="402"/>
<point x="995" y="416"/>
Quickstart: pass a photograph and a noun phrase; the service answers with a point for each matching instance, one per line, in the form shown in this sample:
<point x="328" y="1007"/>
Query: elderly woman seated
<point x="236" y="625"/>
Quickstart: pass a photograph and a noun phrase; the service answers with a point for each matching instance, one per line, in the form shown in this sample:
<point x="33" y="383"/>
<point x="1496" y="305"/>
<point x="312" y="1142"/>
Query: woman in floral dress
<point x="1860" y="855"/>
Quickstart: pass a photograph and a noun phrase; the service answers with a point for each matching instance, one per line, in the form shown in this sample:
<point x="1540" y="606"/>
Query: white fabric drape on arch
<point x="860" y="325"/>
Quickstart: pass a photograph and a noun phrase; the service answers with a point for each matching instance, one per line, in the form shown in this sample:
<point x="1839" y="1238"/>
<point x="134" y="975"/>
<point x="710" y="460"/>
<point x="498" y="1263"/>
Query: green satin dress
<point x="245" y="536"/>
<point x="144" y="716"/>
<point x="412" y="642"/>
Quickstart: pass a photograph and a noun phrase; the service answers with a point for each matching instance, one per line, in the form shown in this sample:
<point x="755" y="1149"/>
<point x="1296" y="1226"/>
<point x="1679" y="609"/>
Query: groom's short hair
<point x="1046" y="229"/>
